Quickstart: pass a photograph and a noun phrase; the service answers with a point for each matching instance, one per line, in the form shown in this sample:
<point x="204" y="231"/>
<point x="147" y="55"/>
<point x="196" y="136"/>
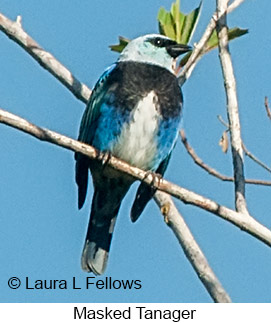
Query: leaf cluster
<point x="180" y="27"/>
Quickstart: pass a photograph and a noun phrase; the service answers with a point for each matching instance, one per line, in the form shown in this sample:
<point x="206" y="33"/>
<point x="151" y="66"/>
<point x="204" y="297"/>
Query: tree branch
<point x="247" y="152"/>
<point x="191" y="249"/>
<point x="198" y="161"/>
<point x="243" y="221"/>
<point x="232" y="106"/>
<point x="199" y="49"/>
<point x="15" y="32"/>
<point x="268" y="111"/>
<point x="255" y="159"/>
<point x="234" y="5"/>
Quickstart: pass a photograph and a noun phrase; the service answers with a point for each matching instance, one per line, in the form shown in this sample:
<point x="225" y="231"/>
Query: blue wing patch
<point x="87" y="131"/>
<point x="166" y="139"/>
<point x="101" y="124"/>
<point x="108" y="127"/>
<point x="92" y="112"/>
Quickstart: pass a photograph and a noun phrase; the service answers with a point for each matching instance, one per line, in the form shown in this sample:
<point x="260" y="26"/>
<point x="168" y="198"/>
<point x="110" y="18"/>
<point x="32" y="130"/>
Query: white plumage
<point x="137" y="143"/>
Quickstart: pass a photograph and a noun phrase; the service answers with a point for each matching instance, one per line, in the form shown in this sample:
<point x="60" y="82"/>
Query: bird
<point x="134" y="113"/>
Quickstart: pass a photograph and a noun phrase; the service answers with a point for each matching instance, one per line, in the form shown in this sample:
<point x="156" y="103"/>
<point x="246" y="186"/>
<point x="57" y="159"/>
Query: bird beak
<point x="178" y="49"/>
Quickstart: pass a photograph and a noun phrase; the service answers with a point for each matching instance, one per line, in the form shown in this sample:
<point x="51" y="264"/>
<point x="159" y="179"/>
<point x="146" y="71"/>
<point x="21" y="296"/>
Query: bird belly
<point x="137" y="142"/>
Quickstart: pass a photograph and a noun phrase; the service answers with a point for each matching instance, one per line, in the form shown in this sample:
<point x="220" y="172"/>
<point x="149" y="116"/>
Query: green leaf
<point x="180" y="27"/>
<point x="232" y="34"/>
<point x="185" y="59"/>
<point x="166" y="24"/>
<point x="122" y="44"/>
<point x="190" y="24"/>
<point x="177" y="25"/>
<point x="177" y="18"/>
<point x="213" y="42"/>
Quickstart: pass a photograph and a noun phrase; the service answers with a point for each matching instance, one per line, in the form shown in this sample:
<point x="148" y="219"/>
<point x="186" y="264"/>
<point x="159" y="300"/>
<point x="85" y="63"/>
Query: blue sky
<point x="42" y="232"/>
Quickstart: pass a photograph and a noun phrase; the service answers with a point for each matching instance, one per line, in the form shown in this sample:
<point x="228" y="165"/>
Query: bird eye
<point x="158" y="42"/>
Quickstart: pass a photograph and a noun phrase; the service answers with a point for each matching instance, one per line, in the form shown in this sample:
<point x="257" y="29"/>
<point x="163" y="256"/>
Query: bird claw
<point x="104" y="157"/>
<point x="156" y="179"/>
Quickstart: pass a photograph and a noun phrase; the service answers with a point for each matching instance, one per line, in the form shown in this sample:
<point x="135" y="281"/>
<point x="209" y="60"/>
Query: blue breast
<point x="140" y="137"/>
<point x="166" y="138"/>
<point x="109" y="127"/>
<point x="134" y="112"/>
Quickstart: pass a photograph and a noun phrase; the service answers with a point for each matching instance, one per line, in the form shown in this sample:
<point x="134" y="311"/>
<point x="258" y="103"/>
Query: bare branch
<point x="200" y="162"/>
<point x="234" y="5"/>
<point x="15" y="31"/>
<point x="255" y="159"/>
<point x="191" y="249"/>
<point x="232" y="106"/>
<point x="19" y="20"/>
<point x="223" y="122"/>
<point x="243" y="221"/>
<point x="199" y="49"/>
<point x="211" y="170"/>
<point x="268" y="111"/>
<point x="248" y="153"/>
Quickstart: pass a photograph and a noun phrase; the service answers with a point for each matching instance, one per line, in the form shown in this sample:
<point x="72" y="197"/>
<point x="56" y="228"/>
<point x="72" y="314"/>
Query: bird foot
<point x="155" y="181"/>
<point x="104" y="157"/>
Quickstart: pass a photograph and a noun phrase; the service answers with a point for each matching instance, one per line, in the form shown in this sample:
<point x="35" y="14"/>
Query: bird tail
<point x="143" y="195"/>
<point x="104" y="211"/>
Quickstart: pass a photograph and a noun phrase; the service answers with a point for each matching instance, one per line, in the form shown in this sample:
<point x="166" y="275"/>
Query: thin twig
<point x="197" y="52"/>
<point x="223" y="122"/>
<point x="232" y="106"/>
<point x="243" y="221"/>
<point x="192" y="250"/>
<point x="211" y="170"/>
<point x="268" y="111"/>
<point x="15" y="32"/>
<point x="234" y="5"/>
<point x="200" y="162"/>
<point x="247" y="152"/>
<point x="199" y="49"/>
<point x="255" y="159"/>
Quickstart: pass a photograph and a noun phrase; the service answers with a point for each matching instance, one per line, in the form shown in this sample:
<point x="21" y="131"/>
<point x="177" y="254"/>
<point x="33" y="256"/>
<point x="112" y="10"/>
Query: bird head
<point x="154" y="49"/>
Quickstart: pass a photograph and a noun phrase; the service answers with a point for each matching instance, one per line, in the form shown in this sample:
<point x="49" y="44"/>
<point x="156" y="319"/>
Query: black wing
<point x="87" y="131"/>
<point x="145" y="192"/>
